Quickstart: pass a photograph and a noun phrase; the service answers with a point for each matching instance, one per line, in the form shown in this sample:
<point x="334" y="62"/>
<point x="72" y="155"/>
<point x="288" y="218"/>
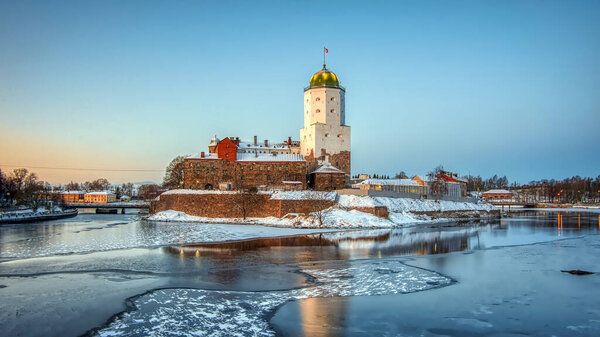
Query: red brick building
<point x="239" y="165"/>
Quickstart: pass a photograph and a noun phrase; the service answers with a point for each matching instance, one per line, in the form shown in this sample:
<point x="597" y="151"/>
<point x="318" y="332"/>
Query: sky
<point x="117" y="89"/>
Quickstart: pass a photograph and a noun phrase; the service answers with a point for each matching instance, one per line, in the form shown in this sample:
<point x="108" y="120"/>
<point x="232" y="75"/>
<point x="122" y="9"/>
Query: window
<point x="318" y="99"/>
<point x="326" y="135"/>
<point x="339" y="136"/>
<point x="332" y="110"/>
<point x="318" y="110"/>
<point x="333" y="99"/>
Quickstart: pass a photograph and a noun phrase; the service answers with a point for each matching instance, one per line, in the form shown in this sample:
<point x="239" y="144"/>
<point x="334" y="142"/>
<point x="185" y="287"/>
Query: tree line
<point x="569" y="190"/>
<point x="21" y="187"/>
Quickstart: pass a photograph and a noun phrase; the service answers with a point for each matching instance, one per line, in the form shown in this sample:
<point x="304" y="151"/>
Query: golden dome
<point x="324" y="78"/>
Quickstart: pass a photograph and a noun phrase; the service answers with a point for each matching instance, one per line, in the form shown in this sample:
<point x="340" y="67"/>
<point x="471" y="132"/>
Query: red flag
<point x="326" y="51"/>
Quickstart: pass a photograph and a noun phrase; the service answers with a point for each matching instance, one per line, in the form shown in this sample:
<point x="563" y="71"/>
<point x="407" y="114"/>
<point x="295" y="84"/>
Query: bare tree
<point x="244" y="199"/>
<point x="72" y="186"/>
<point x="318" y="203"/>
<point x="127" y="189"/>
<point x="99" y="184"/>
<point x="401" y="175"/>
<point x="174" y="173"/>
<point x="3" y="189"/>
<point x="147" y="192"/>
<point x="437" y="186"/>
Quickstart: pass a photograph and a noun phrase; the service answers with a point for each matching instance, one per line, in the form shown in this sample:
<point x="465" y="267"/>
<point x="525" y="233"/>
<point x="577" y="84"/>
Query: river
<point x="112" y="275"/>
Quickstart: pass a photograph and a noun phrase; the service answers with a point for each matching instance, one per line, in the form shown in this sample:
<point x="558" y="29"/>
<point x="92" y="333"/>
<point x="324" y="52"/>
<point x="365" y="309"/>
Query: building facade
<point x="233" y="165"/>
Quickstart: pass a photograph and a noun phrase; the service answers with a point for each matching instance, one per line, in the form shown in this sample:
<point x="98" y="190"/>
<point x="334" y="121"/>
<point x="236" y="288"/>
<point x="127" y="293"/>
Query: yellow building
<point x="99" y="197"/>
<point x="393" y="185"/>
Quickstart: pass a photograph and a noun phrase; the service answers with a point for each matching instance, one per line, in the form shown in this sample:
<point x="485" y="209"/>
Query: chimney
<point x="255" y="139"/>
<point x="266" y="143"/>
<point x="289" y="141"/>
<point x="201" y="154"/>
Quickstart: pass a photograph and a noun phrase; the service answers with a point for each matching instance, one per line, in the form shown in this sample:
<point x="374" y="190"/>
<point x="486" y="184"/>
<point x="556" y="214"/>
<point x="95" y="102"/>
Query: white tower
<point x="325" y="135"/>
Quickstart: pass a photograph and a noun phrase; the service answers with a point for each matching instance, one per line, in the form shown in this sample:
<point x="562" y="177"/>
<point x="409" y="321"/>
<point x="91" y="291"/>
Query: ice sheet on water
<point x="178" y="312"/>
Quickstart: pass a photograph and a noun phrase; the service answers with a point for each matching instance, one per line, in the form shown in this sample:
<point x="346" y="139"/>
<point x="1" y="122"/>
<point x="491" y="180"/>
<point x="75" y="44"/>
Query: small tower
<point x="212" y="147"/>
<point x="325" y="135"/>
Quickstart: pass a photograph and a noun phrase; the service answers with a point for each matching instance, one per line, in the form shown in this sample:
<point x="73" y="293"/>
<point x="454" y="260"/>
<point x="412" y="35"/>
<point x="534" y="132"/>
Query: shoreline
<point x="289" y="223"/>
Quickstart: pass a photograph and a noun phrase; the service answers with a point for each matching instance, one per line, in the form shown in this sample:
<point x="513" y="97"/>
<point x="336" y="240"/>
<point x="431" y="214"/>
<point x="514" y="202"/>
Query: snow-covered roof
<point x="206" y="156"/>
<point x="255" y="157"/>
<point x="100" y="193"/>
<point x="72" y="192"/>
<point x="327" y="168"/>
<point x="497" y="192"/>
<point x="404" y="182"/>
<point x="270" y="157"/>
<point x="261" y="146"/>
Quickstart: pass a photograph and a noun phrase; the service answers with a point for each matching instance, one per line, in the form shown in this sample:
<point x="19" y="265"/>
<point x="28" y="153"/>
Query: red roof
<point x="447" y="178"/>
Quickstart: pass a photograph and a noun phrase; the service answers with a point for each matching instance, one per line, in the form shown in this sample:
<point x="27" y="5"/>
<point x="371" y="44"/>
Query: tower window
<point x="326" y="135"/>
<point x="339" y="136"/>
<point x="318" y="110"/>
<point x="318" y="99"/>
<point x="333" y="99"/>
<point x="332" y="110"/>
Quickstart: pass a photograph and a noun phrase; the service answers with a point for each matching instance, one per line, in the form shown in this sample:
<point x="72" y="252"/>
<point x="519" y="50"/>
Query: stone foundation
<point x="235" y="205"/>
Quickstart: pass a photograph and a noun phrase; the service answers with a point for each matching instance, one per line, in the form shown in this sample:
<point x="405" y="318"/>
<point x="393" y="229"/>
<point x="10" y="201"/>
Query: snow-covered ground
<point x="402" y="212"/>
<point x="412" y="205"/>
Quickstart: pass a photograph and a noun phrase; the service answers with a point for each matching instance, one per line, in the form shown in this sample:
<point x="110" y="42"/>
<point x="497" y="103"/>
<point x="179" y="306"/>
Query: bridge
<point x="512" y="203"/>
<point x="122" y="205"/>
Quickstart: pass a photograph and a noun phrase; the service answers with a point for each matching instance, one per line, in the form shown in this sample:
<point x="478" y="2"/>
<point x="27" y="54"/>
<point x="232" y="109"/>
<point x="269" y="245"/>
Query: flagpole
<point x="323" y="57"/>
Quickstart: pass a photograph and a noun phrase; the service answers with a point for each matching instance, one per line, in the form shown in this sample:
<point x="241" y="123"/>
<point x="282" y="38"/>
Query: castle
<point x="319" y="160"/>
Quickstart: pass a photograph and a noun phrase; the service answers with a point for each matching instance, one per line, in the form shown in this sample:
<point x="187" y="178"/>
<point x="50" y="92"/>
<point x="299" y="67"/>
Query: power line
<point x="81" y="169"/>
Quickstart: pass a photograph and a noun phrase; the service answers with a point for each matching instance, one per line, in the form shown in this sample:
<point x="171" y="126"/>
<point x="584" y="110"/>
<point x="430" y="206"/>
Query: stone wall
<point x="328" y="181"/>
<point x="218" y="205"/>
<point x="235" y="205"/>
<point x="203" y="174"/>
<point x="379" y="211"/>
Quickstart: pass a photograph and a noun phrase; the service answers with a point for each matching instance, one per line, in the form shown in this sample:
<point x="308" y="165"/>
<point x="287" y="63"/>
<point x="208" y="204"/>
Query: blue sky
<point x="481" y="87"/>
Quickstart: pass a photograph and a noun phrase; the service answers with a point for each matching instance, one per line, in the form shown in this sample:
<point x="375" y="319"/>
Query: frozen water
<point x="180" y="312"/>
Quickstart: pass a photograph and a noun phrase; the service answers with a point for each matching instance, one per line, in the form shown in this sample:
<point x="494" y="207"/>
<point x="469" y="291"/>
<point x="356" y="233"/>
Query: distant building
<point x="393" y="185"/>
<point x="100" y="197"/>
<point x="457" y="187"/>
<point x="70" y="196"/>
<point x="497" y="195"/>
